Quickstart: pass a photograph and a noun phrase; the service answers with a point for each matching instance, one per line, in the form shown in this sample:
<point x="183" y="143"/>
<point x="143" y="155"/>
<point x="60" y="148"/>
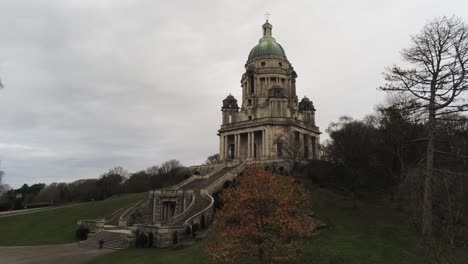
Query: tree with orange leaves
<point x="262" y="220"/>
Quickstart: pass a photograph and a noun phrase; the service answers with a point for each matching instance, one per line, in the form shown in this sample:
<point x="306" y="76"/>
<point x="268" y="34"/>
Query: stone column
<point x="252" y="140"/>
<point x="226" y="150"/>
<point x="301" y="143"/>
<point x="314" y="148"/>
<point x="166" y="211"/>
<point x="253" y="144"/>
<point x="154" y="208"/>
<point x="248" y="144"/>
<point x="223" y="157"/>
<point x="305" y="142"/>
<point x="264" y="142"/>
<point x="238" y="146"/>
<point x="267" y="143"/>
<point x="221" y="145"/>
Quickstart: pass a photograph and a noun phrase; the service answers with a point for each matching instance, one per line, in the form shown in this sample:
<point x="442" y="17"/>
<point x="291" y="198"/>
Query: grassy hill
<point x="372" y="234"/>
<point x="57" y="225"/>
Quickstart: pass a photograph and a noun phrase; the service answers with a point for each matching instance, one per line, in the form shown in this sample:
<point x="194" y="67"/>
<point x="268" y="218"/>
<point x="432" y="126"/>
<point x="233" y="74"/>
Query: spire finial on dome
<point x="267" y="27"/>
<point x="267" y="30"/>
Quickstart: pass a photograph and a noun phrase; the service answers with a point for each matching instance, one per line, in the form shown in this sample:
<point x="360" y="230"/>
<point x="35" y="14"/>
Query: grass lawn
<point x="58" y="225"/>
<point x="372" y="234"/>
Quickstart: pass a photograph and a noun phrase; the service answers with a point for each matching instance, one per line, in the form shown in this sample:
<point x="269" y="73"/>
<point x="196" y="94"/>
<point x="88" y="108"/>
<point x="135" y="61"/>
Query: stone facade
<point x="270" y="112"/>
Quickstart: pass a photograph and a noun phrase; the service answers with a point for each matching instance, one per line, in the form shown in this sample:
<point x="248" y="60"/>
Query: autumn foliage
<point x="262" y="220"/>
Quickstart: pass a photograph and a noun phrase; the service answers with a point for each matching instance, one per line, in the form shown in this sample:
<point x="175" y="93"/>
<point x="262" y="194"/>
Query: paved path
<point x="50" y="254"/>
<point x="33" y="210"/>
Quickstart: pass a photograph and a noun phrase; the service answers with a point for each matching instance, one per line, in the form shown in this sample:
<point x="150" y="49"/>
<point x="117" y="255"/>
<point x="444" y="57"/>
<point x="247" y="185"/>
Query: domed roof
<point x="230" y="103"/>
<point x="267" y="46"/>
<point x="306" y="104"/>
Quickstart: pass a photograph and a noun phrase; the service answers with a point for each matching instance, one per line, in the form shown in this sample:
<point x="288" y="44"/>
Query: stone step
<point x="112" y="239"/>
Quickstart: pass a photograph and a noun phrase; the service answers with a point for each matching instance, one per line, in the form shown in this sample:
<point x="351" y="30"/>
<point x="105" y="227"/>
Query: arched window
<point x="230" y="119"/>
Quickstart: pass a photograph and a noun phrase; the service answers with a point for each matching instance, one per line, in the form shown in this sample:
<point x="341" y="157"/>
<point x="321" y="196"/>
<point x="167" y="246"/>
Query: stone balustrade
<point x="93" y="225"/>
<point x="123" y="219"/>
<point x="218" y="184"/>
<point x="215" y="169"/>
<point x="208" y="211"/>
<point x="180" y="216"/>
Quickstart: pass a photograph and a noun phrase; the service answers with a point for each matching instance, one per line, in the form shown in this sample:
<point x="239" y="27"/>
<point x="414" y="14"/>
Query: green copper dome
<point x="267" y="46"/>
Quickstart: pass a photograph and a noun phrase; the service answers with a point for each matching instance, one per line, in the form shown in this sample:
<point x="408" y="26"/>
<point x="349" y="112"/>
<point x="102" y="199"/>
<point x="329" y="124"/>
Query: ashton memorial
<point x="270" y="115"/>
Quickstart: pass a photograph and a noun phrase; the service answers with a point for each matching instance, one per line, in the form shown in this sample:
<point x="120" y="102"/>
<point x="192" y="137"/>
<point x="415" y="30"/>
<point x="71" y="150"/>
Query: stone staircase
<point x="203" y="183"/>
<point x="143" y="214"/>
<point x="193" y="193"/>
<point x="114" y="218"/>
<point x="113" y="239"/>
<point x="201" y="203"/>
<point x="140" y="216"/>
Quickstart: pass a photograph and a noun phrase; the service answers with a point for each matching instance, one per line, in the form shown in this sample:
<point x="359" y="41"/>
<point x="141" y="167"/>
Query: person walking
<point x="101" y="242"/>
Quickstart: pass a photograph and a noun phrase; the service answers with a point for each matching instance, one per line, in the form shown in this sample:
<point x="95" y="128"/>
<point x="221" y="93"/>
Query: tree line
<point x="116" y="181"/>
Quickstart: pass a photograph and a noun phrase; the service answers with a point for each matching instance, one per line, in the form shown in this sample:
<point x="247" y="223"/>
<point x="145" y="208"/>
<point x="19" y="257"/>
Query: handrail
<point x="180" y="184"/>
<point x="130" y="209"/>
<point x="193" y="177"/>
<point x="209" y="175"/>
<point x="206" y="192"/>
<point x="234" y="171"/>
<point x="206" y="166"/>
<point x="180" y="216"/>
<point x="111" y="217"/>
<point x="204" y="210"/>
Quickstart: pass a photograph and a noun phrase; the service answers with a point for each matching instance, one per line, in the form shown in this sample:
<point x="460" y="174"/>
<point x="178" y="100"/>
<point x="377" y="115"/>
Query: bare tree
<point x="169" y="166"/>
<point x="450" y="209"/>
<point x="293" y="149"/>
<point x="213" y="159"/>
<point x="2" y="186"/>
<point x="153" y="170"/>
<point x="118" y="171"/>
<point x="436" y="78"/>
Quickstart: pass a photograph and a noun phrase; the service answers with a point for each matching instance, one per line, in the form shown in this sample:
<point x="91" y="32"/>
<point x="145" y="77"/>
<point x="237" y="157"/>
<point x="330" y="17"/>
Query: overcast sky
<point x="93" y="84"/>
